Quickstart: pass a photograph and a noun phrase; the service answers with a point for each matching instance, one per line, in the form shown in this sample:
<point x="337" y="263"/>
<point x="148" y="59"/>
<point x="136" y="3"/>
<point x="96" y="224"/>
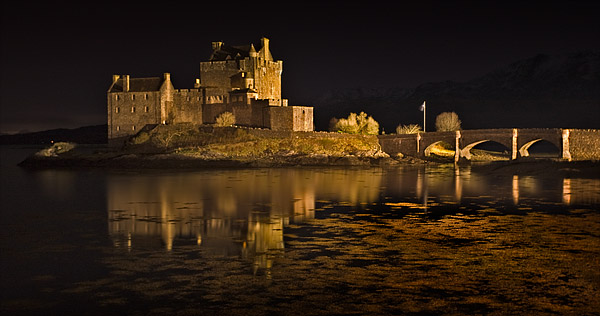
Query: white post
<point x="515" y="144"/>
<point x="424" y="110"/>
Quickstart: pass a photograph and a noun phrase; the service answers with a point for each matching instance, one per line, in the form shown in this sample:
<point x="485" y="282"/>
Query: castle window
<point x="118" y="128"/>
<point x="133" y="109"/>
<point x="133" y="128"/>
<point x="133" y="97"/>
<point x="146" y="109"/>
<point x="187" y="98"/>
<point x="146" y="97"/>
<point x="117" y="97"/>
<point x="117" y="110"/>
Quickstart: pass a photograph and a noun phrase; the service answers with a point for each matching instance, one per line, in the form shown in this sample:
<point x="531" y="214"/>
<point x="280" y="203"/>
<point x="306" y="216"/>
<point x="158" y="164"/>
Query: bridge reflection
<point x="453" y="185"/>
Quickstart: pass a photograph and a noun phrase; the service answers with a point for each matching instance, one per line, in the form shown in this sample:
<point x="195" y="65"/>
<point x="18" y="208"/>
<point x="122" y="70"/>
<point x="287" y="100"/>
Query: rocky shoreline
<point x="71" y="156"/>
<point x="180" y="161"/>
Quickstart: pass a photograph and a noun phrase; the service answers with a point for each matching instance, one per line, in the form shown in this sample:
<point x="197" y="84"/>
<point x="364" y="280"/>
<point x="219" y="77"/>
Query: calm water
<point x="410" y="240"/>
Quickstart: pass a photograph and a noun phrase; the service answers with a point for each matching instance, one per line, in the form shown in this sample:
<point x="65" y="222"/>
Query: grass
<point x="190" y="140"/>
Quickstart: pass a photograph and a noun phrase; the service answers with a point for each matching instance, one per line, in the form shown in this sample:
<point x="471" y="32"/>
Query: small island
<point x="202" y="146"/>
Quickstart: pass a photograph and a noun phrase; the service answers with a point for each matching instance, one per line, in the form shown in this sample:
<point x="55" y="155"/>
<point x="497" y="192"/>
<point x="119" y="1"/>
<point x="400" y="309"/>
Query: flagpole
<point x="424" y="110"/>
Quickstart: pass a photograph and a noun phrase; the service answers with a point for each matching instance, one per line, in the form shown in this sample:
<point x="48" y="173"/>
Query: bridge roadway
<point x="516" y="140"/>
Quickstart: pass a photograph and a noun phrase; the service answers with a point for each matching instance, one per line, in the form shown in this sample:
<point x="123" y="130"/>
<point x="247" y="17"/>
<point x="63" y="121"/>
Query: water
<point x="409" y="240"/>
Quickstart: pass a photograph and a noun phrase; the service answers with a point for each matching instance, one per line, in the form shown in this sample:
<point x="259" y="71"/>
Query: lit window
<point x="117" y="110"/>
<point x="133" y="109"/>
<point x="117" y="97"/>
<point x="133" y="128"/>
<point x="146" y="109"/>
<point x="146" y="96"/>
<point x="133" y="97"/>
<point x="118" y="128"/>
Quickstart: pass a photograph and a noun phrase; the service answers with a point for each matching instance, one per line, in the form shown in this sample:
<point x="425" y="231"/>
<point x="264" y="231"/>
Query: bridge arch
<point x="524" y="149"/>
<point x="427" y="151"/>
<point x="465" y="151"/>
<point x="531" y="136"/>
<point x="427" y="140"/>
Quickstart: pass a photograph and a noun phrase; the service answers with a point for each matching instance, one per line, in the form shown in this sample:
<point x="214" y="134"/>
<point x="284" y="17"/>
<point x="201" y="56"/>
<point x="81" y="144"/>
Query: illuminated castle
<point x="236" y="79"/>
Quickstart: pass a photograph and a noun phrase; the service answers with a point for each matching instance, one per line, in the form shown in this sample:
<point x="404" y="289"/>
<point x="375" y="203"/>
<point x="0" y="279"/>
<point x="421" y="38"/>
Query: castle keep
<point x="236" y="79"/>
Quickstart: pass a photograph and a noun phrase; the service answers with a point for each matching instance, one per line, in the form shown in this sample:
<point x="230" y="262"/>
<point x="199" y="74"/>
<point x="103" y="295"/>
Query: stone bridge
<point x="572" y="144"/>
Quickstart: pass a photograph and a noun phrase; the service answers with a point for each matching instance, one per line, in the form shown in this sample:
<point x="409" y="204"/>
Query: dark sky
<point x="58" y="57"/>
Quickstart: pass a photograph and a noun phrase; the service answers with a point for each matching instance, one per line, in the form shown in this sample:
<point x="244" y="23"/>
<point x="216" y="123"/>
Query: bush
<point x="225" y="119"/>
<point x="357" y="124"/>
<point x="408" y="129"/>
<point x="447" y="122"/>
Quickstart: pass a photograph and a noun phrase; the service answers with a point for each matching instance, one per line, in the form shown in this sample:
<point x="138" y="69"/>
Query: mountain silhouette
<point x="541" y="91"/>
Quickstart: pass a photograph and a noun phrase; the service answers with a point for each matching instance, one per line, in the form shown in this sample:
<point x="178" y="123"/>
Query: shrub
<point x="447" y="122"/>
<point x="357" y="124"/>
<point x="225" y="119"/>
<point x="408" y="129"/>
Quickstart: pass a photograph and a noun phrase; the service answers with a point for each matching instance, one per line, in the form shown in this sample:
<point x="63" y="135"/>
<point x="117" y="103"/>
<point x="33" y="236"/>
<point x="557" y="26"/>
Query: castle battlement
<point x="236" y="79"/>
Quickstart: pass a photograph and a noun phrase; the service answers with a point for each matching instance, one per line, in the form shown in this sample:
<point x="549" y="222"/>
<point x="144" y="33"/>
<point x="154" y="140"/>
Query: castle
<point x="236" y="79"/>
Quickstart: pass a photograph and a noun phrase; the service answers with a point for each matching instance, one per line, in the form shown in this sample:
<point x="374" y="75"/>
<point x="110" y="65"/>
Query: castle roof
<point x="138" y="84"/>
<point x="226" y="52"/>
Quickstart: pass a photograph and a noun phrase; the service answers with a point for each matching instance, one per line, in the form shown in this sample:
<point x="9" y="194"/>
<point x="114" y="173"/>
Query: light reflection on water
<point x="239" y="212"/>
<point x="245" y="212"/>
<point x="411" y="240"/>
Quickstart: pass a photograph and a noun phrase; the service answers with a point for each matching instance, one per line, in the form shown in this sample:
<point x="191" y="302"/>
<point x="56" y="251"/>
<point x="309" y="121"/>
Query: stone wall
<point x="211" y="111"/>
<point x="128" y="112"/>
<point x="216" y="75"/>
<point x="187" y="106"/>
<point x="395" y="144"/>
<point x="584" y="144"/>
<point x="267" y="79"/>
<point x="294" y="118"/>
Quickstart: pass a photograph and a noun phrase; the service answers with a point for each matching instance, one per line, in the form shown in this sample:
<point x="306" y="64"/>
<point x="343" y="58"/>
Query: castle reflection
<point x="233" y="212"/>
<point x="244" y="212"/>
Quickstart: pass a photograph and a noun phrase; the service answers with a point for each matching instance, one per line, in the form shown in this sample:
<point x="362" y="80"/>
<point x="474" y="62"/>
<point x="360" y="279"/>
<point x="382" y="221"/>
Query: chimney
<point x="265" y="43"/>
<point x="197" y="84"/>
<point x="126" y="83"/>
<point x="217" y="45"/>
<point x="115" y="78"/>
<point x="167" y="76"/>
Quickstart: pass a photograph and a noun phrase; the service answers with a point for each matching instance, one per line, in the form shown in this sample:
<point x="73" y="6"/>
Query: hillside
<point x="541" y="91"/>
<point x="96" y="134"/>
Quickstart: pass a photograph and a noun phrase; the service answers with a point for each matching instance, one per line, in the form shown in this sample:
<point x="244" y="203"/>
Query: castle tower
<point x="228" y="61"/>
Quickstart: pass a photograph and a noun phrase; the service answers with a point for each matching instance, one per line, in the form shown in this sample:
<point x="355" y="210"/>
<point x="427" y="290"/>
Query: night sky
<point x="58" y="57"/>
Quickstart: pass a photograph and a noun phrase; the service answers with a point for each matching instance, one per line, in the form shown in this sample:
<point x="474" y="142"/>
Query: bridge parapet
<point x="584" y="144"/>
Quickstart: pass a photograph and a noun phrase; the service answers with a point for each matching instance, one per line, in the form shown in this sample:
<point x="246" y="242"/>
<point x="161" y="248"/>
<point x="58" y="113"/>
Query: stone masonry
<point x="237" y="79"/>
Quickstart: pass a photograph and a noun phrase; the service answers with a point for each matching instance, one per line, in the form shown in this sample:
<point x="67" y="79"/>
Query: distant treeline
<point x="96" y="134"/>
